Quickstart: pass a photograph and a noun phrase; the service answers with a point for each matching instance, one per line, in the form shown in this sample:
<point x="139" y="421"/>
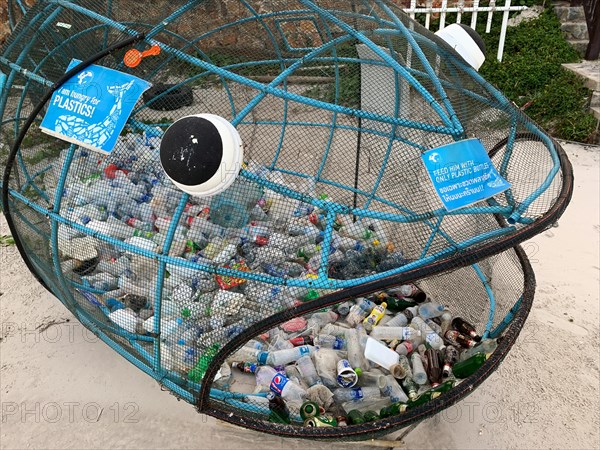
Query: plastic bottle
<point x="330" y="341"/>
<point x="342" y="395"/>
<point x="267" y="376"/>
<point x="404" y="348"/>
<point x="370" y="403"/>
<point x="197" y="373"/>
<point x="388" y="333"/>
<point x="359" y="311"/>
<point x="343" y="308"/>
<point x="334" y="330"/>
<point x="419" y="374"/>
<point x="446" y="322"/>
<point x="126" y="319"/>
<point x="283" y="357"/>
<point x="485" y="346"/>
<point x="302" y="340"/>
<point x="405" y="290"/>
<point x="374" y="316"/>
<point x="355" y="355"/>
<point x="430" y="309"/>
<point x="390" y="388"/>
<point x="431" y="337"/>
<point x="320" y="319"/>
<point x="231" y="208"/>
<point x="246" y="367"/>
<point x="434" y="326"/>
<point x="399" y="320"/>
<point x="402" y="369"/>
<point x="308" y="371"/>
<point x="325" y="362"/>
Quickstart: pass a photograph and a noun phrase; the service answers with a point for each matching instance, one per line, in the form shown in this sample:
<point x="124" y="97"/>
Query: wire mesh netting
<point x="335" y="104"/>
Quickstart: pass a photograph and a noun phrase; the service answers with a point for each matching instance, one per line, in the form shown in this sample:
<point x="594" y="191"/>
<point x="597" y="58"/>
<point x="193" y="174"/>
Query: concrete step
<point x="575" y="30"/>
<point x="596" y="112"/>
<point x="595" y="100"/>
<point x="589" y="70"/>
<point x="579" y="45"/>
<point x="567" y="13"/>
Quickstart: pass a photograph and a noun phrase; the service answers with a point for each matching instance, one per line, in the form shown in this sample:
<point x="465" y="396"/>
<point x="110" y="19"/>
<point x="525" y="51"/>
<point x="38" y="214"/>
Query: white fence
<point x="465" y="6"/>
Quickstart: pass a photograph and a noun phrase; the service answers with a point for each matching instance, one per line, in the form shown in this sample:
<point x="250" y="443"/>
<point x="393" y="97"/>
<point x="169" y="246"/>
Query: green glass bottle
<point x="394" y="303"/>
<point x="370" y="416"/>
<point x="356" y="417"/>
<point x="197" y="373"/>
<point x="309" y="409"/>
<point x="422" y="399"/>
<point x="410" y="387"/>
<point x="468" y="367"/>
<point x="392" y="410"/>
<point x="279" y="412"/>
<point x="445" y="386"/>
<point x="325" y="420"/>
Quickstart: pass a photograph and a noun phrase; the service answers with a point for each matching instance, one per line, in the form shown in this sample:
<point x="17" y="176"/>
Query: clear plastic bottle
<point x="485" y="346"/>
<point x="326" y="362"/>
<point x="308" y="371"/>
<point x="342" y="395"/>
<point x="388" y="333"/>
<point x="355" y="352"/>
<point x="268" y="377"/>
<point x="231" y="208"/>
<point x="430" y="309"/>
<point x="320" y="319"/>
<point x="418" y="371"/>
<point x="331" y="341"/>
<point x="390" y="388"/>
<point x="399" y="320"/>
<point x="286" y="356"/>
<point x="431" y="337"/>
<point x="359" y="311"/>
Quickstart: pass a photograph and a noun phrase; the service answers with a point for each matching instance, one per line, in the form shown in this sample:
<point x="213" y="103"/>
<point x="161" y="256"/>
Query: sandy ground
<point x="63" y="388"/>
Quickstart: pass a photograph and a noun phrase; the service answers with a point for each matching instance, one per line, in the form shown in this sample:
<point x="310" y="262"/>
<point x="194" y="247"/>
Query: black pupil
<point x="191" y="151"/>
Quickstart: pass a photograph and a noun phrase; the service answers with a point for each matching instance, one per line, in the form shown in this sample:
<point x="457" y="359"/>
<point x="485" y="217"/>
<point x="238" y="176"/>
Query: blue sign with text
<point x="92" y="107"/>
<point x="462" y="174"/>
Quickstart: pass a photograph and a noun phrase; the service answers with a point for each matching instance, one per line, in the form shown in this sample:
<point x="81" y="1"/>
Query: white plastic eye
<point x="202" y="154"/>
<point x="466" y="42"/>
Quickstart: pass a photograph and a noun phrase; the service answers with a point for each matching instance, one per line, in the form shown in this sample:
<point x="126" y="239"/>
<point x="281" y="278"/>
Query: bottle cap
<point x="358" y="371"/>
<point x="202" y="154"/>
<point x="262" y="358"/>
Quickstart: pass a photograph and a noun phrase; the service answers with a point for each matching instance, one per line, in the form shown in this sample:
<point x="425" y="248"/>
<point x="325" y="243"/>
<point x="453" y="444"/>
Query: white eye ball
<point x="201" y="154"/>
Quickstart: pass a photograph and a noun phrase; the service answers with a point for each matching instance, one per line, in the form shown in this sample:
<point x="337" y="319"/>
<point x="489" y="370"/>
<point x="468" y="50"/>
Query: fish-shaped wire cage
<point x="312" y="119"/>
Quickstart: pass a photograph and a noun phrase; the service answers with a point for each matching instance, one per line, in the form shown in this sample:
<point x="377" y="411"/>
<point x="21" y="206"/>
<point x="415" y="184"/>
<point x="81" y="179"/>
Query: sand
<point x="63" y="388"/>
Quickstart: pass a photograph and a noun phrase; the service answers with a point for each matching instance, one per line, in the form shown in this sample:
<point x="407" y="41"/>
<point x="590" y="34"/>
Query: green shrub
<point x="531" y="75"/>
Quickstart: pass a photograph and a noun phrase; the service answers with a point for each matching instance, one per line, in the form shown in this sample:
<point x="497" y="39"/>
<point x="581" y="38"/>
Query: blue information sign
<point x="462" y="173"/>
<point x="92" y="107"/>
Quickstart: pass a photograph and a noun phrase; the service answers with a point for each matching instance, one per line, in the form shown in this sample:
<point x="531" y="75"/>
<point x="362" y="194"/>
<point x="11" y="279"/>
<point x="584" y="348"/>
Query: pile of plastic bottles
<point x="366" y="359"/>
<point x="127" y="197"/>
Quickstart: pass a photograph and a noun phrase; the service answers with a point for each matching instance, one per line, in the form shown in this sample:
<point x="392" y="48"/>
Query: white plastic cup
<point x="346" y="375"/>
